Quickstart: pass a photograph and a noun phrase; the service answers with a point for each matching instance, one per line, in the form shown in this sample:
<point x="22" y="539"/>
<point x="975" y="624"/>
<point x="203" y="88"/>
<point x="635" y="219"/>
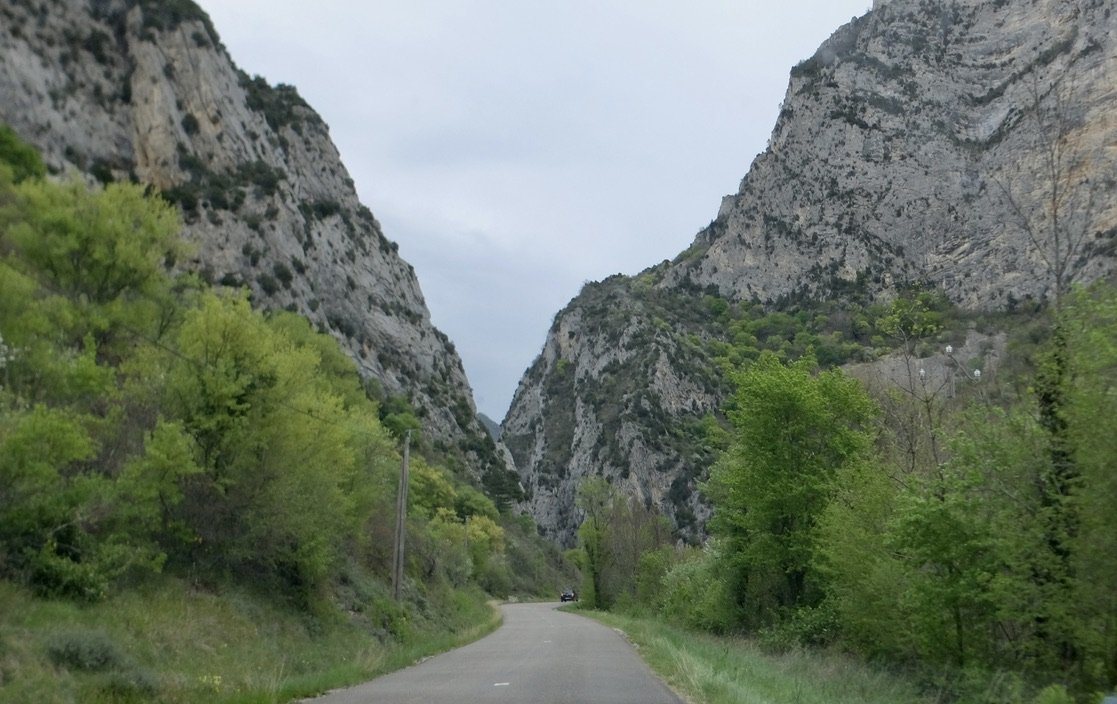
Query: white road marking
<point x="502" y="684"/>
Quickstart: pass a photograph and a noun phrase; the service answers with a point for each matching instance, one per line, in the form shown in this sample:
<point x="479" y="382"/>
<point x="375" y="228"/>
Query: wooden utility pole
<point x="401" y="518"/>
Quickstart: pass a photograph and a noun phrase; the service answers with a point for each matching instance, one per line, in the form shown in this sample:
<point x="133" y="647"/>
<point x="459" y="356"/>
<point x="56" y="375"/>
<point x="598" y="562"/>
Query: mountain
<point x="965" y="147"/>
<point x="144" y="90"/>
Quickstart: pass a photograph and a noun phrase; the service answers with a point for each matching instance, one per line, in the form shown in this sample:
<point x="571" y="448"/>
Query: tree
<point x="79" y="269"/>
<point x="793" y="430"/>
<point x="1054" y="203"/>
<point x="634" y="530"/>
<point x="595" y="497"/>
<point x="1090" y="322"/>
<point x="276" y="454"/>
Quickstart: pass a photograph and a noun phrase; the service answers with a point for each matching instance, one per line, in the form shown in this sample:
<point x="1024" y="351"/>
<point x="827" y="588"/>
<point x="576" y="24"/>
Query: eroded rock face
<point x="898" y="141"/>
<point x="925" y="142"/>
<point x="143" y="89"/>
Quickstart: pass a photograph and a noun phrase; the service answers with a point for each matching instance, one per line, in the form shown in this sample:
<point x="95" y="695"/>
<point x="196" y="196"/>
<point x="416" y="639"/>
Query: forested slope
<point x="154" y="428"/>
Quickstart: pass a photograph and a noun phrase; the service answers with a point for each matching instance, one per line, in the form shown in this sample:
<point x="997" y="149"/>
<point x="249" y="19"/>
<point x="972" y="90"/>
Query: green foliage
<point x="616" y="535"/>
<point x="1090" y="320"/>
<point x="696" y="591"/>
<point x="595" y="498"/>
<point x="985" y="560"/>
<point x="732" y="670"/>
<point x="282" y="106"/>
<point x="22" y="159"/>
<point x="105" y="245"/>
<point x="793" y="431"/>
<point x="167" y="15"/>
<point x="399" y="417"/>
<point x="273" y="444"/>
<point x="150" y="425"/>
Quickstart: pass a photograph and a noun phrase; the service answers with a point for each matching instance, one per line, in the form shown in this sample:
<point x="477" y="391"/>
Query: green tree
<point x="595" y="497"/>
<point x="1091" y="327"/>
<point x="273" y="448"/>
<point x="80" y="268"/>
<point x="793" y="430"/>
<point x="634" y="530"/>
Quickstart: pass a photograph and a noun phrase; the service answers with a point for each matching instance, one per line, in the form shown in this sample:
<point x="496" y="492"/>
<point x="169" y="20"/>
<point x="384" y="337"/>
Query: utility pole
<point x="401" y="518"/>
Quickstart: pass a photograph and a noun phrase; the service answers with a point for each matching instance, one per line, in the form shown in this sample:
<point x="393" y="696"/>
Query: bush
<point x="283" y="274"/>
<point x="117" y="677"/>
<point x="696" y="595"/>
<point x="267" y="284"/>
<point x="59" y="576"/>
<point x="23" y="158"/>
<point x="190" y="123"/>
<point x="87" y="651"/>
<point x="807" y="626"/>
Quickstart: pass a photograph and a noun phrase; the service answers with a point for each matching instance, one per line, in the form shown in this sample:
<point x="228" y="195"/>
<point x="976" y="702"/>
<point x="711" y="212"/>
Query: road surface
<point x="539" y="656"/>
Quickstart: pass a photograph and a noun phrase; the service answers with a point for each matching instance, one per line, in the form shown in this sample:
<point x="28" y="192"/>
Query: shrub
<point x="117" y="677"/>
<point x="23" y="158"/>
<point x="696" y="595"/>
<point x="190" y="123"/>
<point x="88" y="651"/>
<point x="57" y="575"/>
<point x="267" y="284"/>
<point x="283" y="274"/>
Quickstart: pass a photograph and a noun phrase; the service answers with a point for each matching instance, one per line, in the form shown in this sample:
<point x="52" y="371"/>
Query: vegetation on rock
<point x="152" y="428"/>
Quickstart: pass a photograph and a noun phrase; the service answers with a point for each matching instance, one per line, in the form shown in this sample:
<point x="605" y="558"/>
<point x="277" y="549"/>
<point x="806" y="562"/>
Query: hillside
<point x="958" y="147"/>
<point x="143" y="90"/>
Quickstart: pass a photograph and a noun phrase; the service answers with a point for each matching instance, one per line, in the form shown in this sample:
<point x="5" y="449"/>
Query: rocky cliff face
<point x="143" y="89"/>
<point x="965" y="145"/>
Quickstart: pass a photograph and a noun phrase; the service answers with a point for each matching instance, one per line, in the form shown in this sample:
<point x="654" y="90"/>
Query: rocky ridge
<point x="911" y="150"/>
<point x="144" y="90"/>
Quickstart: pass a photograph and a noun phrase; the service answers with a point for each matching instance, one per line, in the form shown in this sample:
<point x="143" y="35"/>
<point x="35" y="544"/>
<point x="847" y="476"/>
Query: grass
<point x="171" y="643"/>
<point x="706" y="669"/>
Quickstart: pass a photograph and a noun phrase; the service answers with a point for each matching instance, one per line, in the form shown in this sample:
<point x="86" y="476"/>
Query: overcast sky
<point x="516" y="149"/>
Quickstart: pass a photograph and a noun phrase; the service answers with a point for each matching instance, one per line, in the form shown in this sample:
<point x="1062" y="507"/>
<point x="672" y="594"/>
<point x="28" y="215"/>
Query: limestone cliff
<point x="967" y="146"/>
<point x="143" y="89"/>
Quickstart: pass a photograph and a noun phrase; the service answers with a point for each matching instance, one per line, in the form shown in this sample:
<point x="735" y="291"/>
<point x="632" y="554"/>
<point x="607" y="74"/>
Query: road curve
<point x="539" y="656"/>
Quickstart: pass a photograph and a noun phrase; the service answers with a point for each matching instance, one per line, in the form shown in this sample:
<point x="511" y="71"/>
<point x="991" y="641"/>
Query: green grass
<point x="706" y="669"/>
<point x="173" y="644"/>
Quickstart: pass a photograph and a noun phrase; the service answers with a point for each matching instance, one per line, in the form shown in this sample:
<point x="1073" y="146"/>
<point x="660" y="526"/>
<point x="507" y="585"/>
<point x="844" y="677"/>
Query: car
<point x="568" y="595"/>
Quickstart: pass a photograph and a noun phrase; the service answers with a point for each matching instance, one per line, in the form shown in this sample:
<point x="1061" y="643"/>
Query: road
<point x="539" y="656"/>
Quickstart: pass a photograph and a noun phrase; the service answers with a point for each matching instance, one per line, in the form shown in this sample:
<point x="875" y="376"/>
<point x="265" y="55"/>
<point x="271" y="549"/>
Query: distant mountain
<point x="963" y="146"/>
<point x="144" y="90"/>
<point x="490" y="425"/>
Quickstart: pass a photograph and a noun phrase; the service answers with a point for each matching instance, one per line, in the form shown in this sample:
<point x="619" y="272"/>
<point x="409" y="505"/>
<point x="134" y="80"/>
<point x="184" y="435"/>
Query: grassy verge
<point x="710" y="670"/>
<point x="172" y="644"/>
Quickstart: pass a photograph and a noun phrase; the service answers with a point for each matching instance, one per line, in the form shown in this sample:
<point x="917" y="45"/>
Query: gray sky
<point x="516" y="149"/>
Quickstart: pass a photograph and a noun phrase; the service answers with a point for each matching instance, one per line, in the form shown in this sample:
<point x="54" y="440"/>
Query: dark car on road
<point x="568" y="595"/>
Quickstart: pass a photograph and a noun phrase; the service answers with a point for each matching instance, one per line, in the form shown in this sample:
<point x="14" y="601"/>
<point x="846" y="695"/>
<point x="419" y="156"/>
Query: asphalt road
<point x="539" y="656"/>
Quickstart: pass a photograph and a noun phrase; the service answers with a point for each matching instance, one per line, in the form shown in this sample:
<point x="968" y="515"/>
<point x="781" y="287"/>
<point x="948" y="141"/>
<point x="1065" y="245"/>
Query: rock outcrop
<point x="967" y="146"/>
<point x="144" y="90"/>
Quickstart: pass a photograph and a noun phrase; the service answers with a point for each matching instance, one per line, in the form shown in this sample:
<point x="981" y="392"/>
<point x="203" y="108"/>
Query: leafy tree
<point x="104" y="250"/>
<point x="147" y="423"/>
<point x="274" y="450"/>
<point x="595" y="497"/>
<point x="793" y="429"/>
<point x="634" y="530"/>
<point x="1091" y="327"/>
